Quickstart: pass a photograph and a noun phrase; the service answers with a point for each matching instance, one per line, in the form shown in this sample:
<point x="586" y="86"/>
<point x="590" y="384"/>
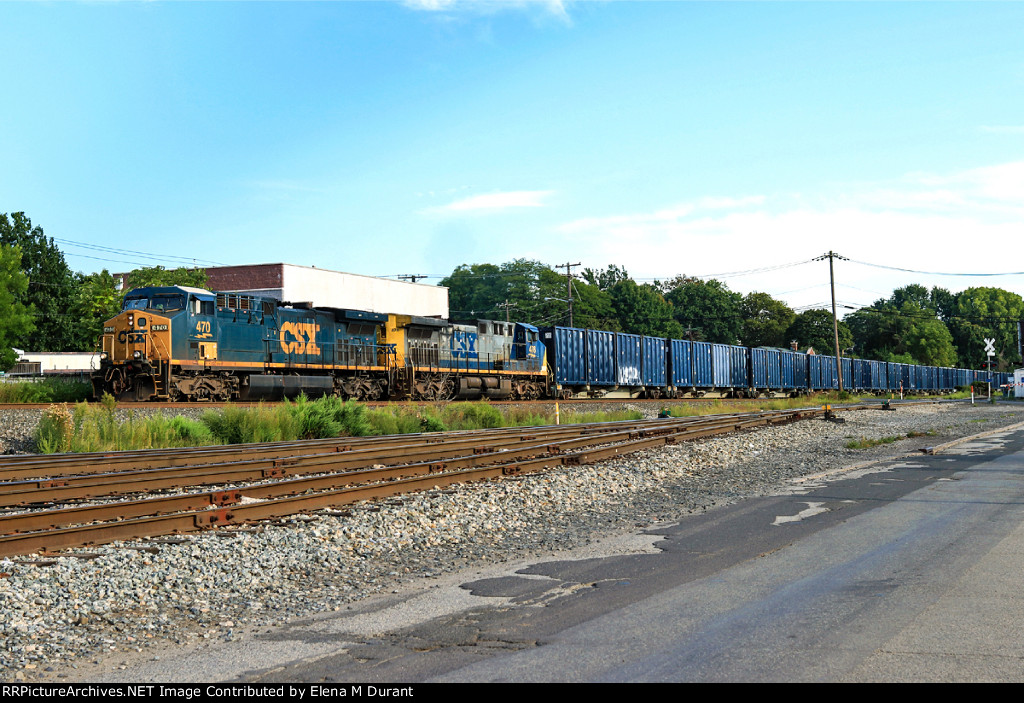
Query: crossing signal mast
<point x="990" y="351"/>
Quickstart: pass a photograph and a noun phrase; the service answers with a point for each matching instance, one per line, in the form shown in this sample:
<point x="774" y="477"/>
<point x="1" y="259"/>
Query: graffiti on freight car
<point x="303" y="338"/>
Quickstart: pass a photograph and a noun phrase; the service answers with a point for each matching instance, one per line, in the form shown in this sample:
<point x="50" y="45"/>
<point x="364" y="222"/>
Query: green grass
<point x="716" y="407"/>
<point x="49" y="390"/>
<point x="96" y="427"/>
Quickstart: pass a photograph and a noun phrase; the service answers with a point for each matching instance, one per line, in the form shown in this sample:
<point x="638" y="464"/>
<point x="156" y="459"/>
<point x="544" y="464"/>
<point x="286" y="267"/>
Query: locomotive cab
<point x="139" y="344"/>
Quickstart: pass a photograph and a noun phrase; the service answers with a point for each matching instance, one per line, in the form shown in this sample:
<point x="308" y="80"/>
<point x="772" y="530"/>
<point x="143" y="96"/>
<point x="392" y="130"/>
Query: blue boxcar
<point x="628" y="360"/>
<point x="826" y="373"/>
<point x="801" y="371"/>
<point x="655" y="362"/>
<point x="861" y="374"/>
<point x="765" y="369"/>
<point x="598" y="359"/>
<point x="788" y="361"/>
<point x="703" y="365"/>
<point x="565" y="347"/>
<point x="600" y="351"/>
<point x="895" y="376"/>
<point x="721" y="365"/>
<point x="847" y="366"/>
<point x="879" y="377"/>
<point x="738" y="373"/>
<point x="680" y="352"/>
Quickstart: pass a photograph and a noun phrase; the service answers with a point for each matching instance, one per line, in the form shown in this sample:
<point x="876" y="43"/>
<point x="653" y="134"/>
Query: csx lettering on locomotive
<point x="303" y="338"/>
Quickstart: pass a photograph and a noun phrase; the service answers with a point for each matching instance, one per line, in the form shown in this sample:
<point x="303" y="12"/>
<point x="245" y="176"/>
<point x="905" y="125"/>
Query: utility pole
<point x="835" y="320"/>
<point x="568" y="284"/>
<point x="508" y="306"/>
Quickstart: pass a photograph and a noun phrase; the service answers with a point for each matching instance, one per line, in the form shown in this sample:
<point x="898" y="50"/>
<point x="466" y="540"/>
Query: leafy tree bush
<point x="16" y="320"/>
<point x="51" y="286"/>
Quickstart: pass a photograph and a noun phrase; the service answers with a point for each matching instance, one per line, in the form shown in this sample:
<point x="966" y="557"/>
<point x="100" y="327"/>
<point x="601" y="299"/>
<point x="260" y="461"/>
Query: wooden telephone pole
<point x="835" y="320"/>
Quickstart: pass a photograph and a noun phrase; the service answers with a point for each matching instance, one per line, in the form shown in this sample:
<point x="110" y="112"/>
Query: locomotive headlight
<point x="137" y="355"/>
<point x="103" y="356"/>
<point x="131" y="320"/>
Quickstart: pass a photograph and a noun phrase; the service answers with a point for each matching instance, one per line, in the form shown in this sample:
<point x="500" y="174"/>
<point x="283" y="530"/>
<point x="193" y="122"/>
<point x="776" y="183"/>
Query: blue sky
<point x="390" y="138"/>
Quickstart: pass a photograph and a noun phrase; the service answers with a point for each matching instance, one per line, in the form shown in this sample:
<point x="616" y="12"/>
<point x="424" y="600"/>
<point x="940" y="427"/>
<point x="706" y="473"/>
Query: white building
<point x="55" y="363"/>
<point x="334" y="289"/>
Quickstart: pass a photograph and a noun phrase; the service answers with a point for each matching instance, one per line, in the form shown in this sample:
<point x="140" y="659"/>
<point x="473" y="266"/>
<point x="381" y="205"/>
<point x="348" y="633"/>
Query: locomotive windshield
<point x="162" y="303"/>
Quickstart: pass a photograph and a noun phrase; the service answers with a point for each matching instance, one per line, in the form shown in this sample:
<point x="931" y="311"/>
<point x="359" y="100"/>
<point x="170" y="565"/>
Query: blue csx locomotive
<point x="179" y="343"/>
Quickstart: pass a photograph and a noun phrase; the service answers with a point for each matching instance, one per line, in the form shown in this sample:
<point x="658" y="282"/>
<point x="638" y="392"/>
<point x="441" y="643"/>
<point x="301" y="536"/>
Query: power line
<point x="116" y="250"/>
<point x="933" y="273"/>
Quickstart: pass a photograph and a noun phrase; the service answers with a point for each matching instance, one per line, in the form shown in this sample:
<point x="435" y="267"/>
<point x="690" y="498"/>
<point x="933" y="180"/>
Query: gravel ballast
<point x="218" y="585"/>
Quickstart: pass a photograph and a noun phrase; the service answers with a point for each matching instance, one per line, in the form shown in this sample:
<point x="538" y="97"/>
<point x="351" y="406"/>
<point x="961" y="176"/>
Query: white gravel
<point x="215" y="586"/>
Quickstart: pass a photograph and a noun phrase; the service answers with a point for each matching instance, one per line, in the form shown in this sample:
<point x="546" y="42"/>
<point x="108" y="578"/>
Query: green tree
<point x="814" y="328"/>
<point x="987" y="312"/>
<point x="706" y="310"/>
<point x="160" y="276"/>
<point x="593" y="307"/>
<point x="765" y="321"/>
<point x="100" y="296"/>
<point x="909" y="323"/>
<point x="931" y="343"/>
<point x="943" y="302"/>
<point x="51" y="285"/>
<point x="16" y="320"/>
<point x="914" y="293"/>
<point x="532" y="292"/>
<point x="643" y="310"/>
<point x="98" y="300"/>
<point x="884" y="328"/>
<point x="607" y="278"/>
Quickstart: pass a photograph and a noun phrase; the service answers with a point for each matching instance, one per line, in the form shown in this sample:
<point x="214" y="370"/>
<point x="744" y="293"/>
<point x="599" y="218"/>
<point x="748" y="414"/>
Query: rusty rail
<point x="339" y="477"/>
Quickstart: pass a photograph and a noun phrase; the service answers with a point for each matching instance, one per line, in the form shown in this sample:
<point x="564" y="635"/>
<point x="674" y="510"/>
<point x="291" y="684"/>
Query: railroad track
<point x="57" y="502"/>
<point x="669" y="402"/>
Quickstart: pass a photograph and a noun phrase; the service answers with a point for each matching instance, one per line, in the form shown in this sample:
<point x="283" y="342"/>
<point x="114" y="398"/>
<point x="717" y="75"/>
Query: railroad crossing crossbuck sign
<point x="990" y="346"/>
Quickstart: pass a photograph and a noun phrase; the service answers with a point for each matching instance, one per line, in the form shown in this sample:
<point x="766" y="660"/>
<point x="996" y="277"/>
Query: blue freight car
<point x="628" y="360"/>
<point x="655" y="365"/>
<point x="681" y="367"/>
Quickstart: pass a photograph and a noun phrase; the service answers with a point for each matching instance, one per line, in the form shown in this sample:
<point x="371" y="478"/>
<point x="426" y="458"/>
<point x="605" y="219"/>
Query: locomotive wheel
<point x="448" y="389"/>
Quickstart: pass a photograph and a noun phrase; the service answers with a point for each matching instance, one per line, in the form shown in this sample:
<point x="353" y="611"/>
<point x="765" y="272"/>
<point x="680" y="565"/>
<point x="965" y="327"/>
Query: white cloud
<point x="556" y="8"/>
<point x="429" y="5"/>
<point x="492" y="202"/>
<point x="966" y="222"/>
<point x="659" y="220"/>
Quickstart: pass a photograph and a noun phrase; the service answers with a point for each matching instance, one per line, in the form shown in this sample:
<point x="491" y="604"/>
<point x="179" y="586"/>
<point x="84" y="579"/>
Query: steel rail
<point x="226" y="509"/>
<point x="19" y="466"/>
<point x="52" y="467"/>
<point x="15" y="493"/>
<point x="23" y="522"/>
